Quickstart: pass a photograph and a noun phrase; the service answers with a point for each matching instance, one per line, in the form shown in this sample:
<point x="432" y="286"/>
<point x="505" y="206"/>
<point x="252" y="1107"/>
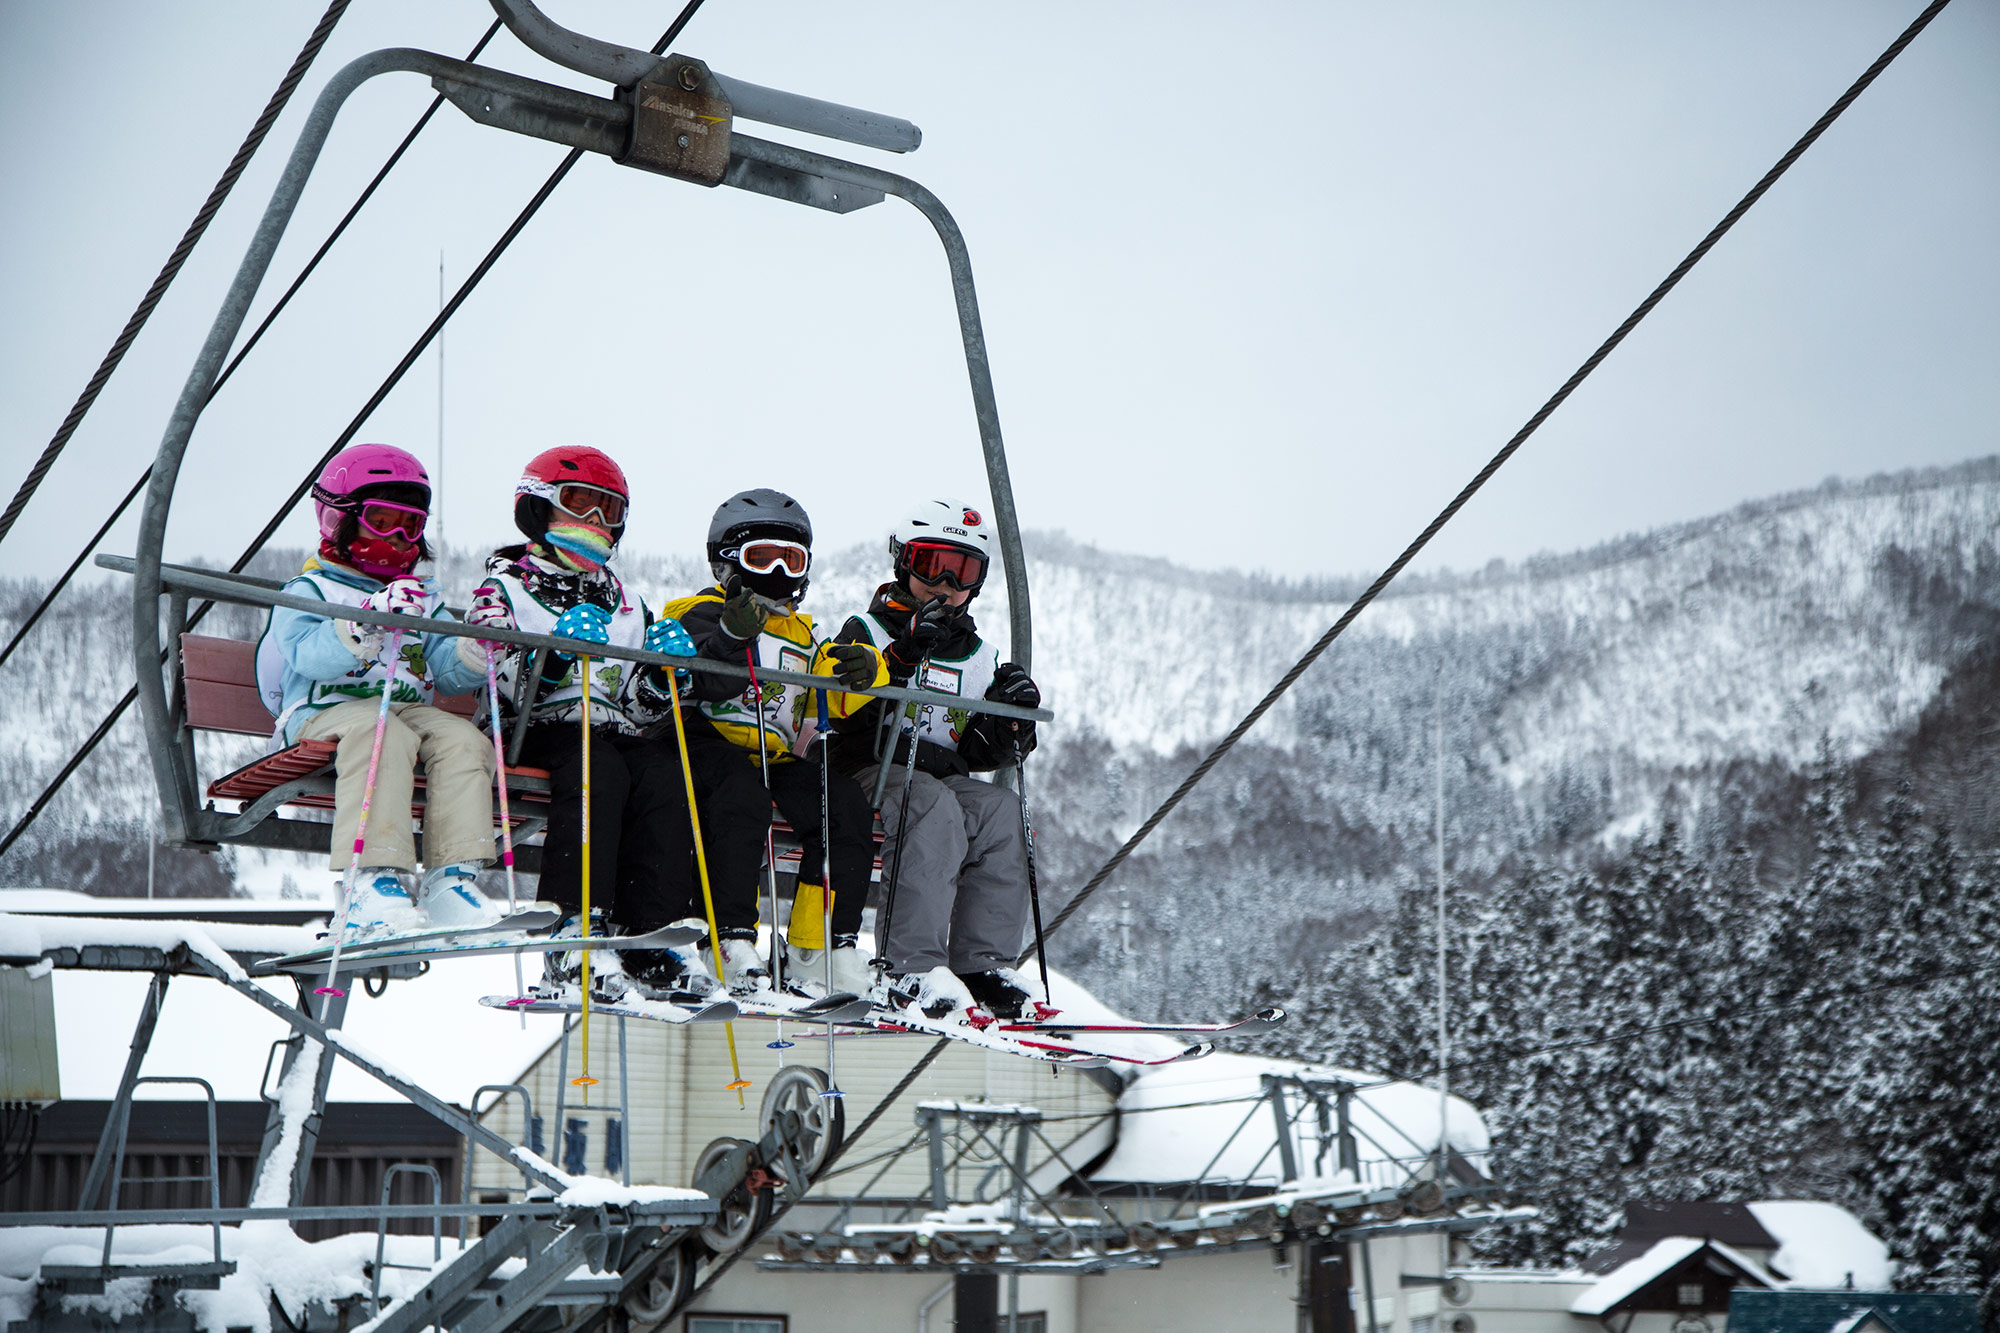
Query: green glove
<point x="853" y="665"/>
<point x="743" y="615"/>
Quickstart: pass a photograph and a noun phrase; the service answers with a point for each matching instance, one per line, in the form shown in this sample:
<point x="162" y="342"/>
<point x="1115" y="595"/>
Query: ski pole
<point x="360" y="829"/>
<point x="707" y="895"/>
<point x="887" y="915"/>
<point x="1034" y="889"/>
<point x="585" y="1081"/>
<point x="506" y="821"/>
<point x="770" y="851"/>
<point x="826" y="874"/>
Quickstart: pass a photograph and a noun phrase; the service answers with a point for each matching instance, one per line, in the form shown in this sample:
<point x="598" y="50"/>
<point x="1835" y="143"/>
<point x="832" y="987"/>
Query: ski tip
<point x="1272" y="1015"/>
<point x="1195" y="1052"/>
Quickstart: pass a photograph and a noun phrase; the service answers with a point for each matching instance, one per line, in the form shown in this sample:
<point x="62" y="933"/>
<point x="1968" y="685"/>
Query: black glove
<point x="853" y="665"/>
<point x="929" y="624"/>
<point x="1011" y="685"/>
<point x="743" y="615"/>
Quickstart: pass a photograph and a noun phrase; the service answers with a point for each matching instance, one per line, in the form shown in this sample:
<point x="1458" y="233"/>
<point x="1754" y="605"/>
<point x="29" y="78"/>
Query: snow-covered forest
<point x="1730" y="780"/>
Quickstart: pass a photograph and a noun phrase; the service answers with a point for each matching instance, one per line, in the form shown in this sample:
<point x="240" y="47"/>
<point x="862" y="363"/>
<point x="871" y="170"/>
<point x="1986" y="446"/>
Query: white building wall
<point x="1239" y="1292"/>
<point x="679" y="1102"/>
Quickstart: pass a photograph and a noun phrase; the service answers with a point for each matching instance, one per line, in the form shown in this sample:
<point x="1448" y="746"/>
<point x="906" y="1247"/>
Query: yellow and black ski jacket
<point x="788" y="715"/>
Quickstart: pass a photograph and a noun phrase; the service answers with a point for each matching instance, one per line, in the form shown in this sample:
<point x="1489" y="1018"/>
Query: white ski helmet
<point x="949" y="524"/>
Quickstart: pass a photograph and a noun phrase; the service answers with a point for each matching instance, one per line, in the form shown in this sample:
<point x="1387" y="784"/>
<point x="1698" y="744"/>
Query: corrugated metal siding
<point x="680" y="1104"/>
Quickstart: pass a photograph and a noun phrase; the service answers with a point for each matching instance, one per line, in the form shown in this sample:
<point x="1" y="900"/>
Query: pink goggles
<point x="382" y="518"/>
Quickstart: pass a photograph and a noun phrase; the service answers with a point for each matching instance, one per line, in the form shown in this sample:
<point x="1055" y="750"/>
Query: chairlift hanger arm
<point x="625" y="66"/>
<point x="647" y="132"/>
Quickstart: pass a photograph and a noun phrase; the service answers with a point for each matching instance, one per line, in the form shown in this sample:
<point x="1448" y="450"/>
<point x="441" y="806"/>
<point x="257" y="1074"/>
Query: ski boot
<point x="563" y="969"/>
<point x="664" y="974"/>
<point x="999" y="992"/>
<point x="380" y="905"/>
<point x="806" y="969"/>
<point x="935" y="994"/>
<point x="743" y="967"/>
<point x="450" y="896"/>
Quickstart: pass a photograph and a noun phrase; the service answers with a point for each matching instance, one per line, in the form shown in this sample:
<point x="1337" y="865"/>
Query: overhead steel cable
<point x="1493" y="465"/>
<point x="395" y="376"/>
<point x="237" y="360"/>
<point x="171" y="269"/>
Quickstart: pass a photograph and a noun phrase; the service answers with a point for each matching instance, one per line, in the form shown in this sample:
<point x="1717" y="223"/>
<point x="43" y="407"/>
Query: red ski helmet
<point x="358" y="469"/>
<point x="552" y="472"/>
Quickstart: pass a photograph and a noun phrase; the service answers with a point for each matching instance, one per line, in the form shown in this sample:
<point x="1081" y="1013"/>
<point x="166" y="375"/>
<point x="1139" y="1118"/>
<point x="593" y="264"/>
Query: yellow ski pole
<point x="701" y="869"/>
<point x="585" y="1081"/>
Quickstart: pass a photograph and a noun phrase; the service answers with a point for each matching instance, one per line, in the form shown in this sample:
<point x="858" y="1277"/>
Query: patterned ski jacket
<point x="787" y="713"/>
<point x="531" y="591"/>
<point x="304" y="664"/>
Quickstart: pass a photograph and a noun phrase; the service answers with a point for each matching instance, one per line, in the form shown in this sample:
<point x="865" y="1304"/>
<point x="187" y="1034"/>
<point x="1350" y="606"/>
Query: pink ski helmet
<point x="355" y="469"/>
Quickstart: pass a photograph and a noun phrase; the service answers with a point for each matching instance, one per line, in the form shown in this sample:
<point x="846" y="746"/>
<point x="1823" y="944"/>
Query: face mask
<point x="584" y="547"/>
<point x="377" y="557"/>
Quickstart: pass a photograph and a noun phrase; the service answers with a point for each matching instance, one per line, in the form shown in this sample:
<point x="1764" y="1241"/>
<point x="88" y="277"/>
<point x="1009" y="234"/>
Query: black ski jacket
<point x="987" y="742"/>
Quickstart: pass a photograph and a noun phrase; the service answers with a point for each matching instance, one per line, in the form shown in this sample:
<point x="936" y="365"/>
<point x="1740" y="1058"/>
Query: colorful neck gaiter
<point x="584" y="547"/>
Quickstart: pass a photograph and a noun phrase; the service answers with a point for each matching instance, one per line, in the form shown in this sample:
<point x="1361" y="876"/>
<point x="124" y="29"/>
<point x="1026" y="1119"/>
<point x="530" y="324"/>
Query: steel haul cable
<point x="353" y="427"/>
<point x="119" y="512"/>
<point x="171" y="269"/>
<point x="1458" y="502"/>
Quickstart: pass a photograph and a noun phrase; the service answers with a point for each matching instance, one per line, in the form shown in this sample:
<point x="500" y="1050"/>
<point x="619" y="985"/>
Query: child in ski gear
<point x="323" y="678"/>
<point x="571" y="504"/>
<point x="760" y="551"/>
<point x="961" y="863"/>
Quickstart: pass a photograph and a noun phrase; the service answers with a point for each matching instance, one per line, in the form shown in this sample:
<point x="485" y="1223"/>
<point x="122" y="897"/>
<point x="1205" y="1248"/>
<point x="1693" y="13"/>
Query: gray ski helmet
<point x="757" y="513"/>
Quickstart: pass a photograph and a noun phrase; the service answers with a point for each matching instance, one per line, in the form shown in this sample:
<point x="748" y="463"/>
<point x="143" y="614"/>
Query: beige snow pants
<point x="458" y="780"/>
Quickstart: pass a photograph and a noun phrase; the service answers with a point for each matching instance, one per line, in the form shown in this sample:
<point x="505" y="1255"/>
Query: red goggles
<point x="939" y="563"/>
<point x="581" y="501"/>
<point x="381" y="518"/>
<point x="768" y="555"/>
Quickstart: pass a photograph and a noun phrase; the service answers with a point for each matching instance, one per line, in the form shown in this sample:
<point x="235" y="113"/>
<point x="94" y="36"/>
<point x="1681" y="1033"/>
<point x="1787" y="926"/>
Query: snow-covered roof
<point x="1621" y="1282"/>
<point x="431" y="1029"/>
<point x="1824" y="1245"/>
<point x="1174" y="1121"/>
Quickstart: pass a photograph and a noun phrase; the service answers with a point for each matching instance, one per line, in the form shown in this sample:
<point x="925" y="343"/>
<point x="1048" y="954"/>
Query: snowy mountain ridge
<point x="1582" y="695"/>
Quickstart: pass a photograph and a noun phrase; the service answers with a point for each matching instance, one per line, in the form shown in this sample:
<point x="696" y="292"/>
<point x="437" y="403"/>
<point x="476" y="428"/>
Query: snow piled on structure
<point x="1178" y="1120"/>
<point x="271" y="1262"/>
<point x="211" y="941"/>
<point x="1824" y="1245"/>
<point x="1633" y="1274"/>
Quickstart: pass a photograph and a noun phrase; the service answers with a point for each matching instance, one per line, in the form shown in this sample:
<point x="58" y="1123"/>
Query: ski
<point x="1031" y="1046"/>
<point x="654" y="1011"/>
<point x="473" y="942"/>
<point x="840" y="1007"/>
<point x="1261" y="1021"/>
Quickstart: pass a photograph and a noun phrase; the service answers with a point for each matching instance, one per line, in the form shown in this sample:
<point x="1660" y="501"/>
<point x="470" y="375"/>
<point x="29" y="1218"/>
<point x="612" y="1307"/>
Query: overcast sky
<point x="1263" y="285"/>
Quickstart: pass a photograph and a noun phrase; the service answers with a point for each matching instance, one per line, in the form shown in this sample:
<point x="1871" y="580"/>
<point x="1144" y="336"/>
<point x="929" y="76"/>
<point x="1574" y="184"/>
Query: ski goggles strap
<point x="765" y="555"/>
<point x="937" y="562"/>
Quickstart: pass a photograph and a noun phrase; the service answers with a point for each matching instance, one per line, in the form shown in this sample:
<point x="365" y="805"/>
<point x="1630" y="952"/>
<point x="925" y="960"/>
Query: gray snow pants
<point x="962" y="895"/>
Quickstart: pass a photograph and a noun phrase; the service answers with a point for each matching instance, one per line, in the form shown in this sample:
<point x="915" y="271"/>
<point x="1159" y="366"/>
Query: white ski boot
<point x="743" y="967"/>
<point x="450" y="896"/>
<point x="936" y="993"/>
<point x="806" y="970"/>
<point x="380" y="905"/>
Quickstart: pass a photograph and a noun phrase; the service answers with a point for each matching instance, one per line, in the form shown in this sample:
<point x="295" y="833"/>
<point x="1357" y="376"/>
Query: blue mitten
<point x="668" y="636"/>
<point x="586" y="621"/>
